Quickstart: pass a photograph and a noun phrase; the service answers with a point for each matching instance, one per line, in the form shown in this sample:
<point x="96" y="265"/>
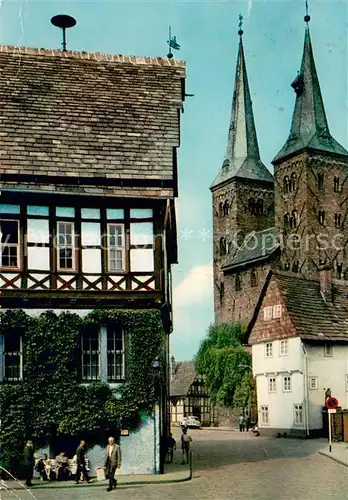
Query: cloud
<point x="195" y="288"/>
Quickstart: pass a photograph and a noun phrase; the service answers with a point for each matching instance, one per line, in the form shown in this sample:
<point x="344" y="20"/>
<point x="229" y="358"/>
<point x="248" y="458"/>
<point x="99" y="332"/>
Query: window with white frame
<point x="116" y="247"/>
<point x="287" y="383"/>
<point x="9" y="238"/>
<point x="298" y="414"/>
<point x="90" y="355"/>
<point x="313" y="383"/>
<point x="277" y="311"/>
<point x="268" y="349"/>
<point x="264" y="414"/>
<point x="267" y="313"/>
<point x="328" y="350"/>
<point x="13" y="366"/>
<point x="272" y="384"/>
<point x="283" y="347"/>
<point x="65" y="246"/>
<point x="116" y="354"/>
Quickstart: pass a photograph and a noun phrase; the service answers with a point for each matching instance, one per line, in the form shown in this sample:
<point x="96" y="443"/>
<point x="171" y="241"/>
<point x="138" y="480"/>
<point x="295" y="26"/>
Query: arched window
<point x="251" y="205"/>
<point x="253" y="278"/>
<point x="222" y="246"/>
<point x="295" y="266"/>
<point x="320" y="181"/>
<point x="336" y="184"/>
<point x="339" y="270"/>
<point x="225" y="208"/>
<point x="338" y="218"/>
<point x="294" y="219"/>
<point x="259" y="207"/>
<point x="238" y="283"/>
<point x="221" y="209"/>
<point x="222" y="291"/>
<point x="286" y="221"/>
<point x="286" y="266"/>
<point x="293" y="182"/>
<point x="286" y="184"/>
<point x="321" y="217"/>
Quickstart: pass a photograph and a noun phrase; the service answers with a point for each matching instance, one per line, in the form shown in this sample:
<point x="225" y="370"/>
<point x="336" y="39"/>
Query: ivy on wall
<point x="50" y="401"/>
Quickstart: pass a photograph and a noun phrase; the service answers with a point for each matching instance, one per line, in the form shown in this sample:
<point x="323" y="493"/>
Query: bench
<point x="71" y="465"/>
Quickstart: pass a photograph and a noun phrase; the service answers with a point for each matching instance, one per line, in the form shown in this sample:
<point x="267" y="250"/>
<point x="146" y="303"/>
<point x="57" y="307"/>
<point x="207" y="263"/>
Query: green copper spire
<point x="242" y="154"/>
<point x="309" y="128"/>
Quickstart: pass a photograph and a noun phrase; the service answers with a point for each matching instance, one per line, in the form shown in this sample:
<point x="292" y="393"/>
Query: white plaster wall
<point x="293" y="361"/>
<point x="331" y="372"/>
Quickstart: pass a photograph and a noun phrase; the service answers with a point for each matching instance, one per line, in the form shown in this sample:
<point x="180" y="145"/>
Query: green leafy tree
<point x="224" y="363"/>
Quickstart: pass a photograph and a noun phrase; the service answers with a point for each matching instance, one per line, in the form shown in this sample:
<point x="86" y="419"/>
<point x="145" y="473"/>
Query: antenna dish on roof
<point x="63" y="21"/>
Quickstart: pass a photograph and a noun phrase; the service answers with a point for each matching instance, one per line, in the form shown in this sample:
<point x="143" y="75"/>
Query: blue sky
<point x="207" y="32"/>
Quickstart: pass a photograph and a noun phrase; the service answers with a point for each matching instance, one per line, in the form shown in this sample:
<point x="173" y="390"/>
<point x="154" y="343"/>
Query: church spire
<point x="242" y="154"/>
<point x="309" y="128"/>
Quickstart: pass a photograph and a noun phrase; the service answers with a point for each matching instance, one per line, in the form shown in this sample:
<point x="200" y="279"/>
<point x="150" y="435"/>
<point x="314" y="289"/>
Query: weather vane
<point x="173" y="44"/>
<point x="240" y="24"/>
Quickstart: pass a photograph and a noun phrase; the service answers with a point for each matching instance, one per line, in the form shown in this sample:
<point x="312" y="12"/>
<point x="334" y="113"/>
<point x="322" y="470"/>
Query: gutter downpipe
<point x="305" y="376"/>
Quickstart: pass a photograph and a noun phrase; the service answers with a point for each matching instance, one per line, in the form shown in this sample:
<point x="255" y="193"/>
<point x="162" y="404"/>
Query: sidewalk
<point x="339" y="453"/>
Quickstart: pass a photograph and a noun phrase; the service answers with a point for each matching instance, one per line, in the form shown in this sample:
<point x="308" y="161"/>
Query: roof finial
<point x="240" y="24"/>
<point x="307" y="17"/>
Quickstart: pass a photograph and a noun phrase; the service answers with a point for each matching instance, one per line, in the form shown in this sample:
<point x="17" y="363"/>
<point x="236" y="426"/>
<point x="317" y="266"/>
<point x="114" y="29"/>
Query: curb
<point x="333" y="458"/>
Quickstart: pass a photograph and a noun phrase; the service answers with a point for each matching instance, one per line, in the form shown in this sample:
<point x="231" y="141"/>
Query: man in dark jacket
<point x="81" y="463"/>
<point x="112" y="462"/>
<point x="29" y="462"/>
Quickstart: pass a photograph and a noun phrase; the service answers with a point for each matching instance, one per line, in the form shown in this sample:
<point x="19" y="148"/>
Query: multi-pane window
<point x="264" y="414"/>
<point x="116" y="355"/>
<point x="277" y="311"/>
<point x="65" y="246"/>
<point x="268" y="349"/>
<point x="283" y="348"/>
<point x="9" y="236"/>
<point x="116" y="247"/>
<point x="313" y="383"/>
<point x="267" y="313"/>
<point x="298" y="414"/>
<point x="90" y="355"/>
<point x="287" y="383"/>
<point x="12" y="358"/>
<point x="272" y="384"/>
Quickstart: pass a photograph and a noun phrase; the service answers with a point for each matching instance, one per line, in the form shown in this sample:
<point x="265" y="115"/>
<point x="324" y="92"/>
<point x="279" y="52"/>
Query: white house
<point x="299" y="338"/>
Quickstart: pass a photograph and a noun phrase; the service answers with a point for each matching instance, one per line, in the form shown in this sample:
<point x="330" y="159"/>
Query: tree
<point x="225" y="364"/>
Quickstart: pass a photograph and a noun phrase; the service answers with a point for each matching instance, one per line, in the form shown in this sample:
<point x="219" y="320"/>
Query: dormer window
<point x="321" y="217"/>
<point x="238" y="283"/>
<point x="286" y="184"/>
<point x="336" y="184"/>
<point x="320" y="181"/>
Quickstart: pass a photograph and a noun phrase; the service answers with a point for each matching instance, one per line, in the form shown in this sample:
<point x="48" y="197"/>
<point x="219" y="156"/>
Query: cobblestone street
<point x="240" y="466"/>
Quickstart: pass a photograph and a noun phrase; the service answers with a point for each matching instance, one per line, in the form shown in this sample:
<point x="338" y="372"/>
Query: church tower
<point x="243" y="198"/>
<point x="311" y="190"/>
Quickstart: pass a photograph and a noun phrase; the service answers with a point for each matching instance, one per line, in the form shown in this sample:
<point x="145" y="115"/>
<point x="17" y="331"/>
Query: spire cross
<point x="307" y="17"/>
<point x="240" y="24"/>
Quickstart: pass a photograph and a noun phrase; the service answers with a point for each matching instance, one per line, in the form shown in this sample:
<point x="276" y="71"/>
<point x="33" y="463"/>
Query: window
<point x="313" y="383"/>
<point x="9" y="235"/>
<point x="90" y="213"/>
<point x="114" y="213"/>
<point x="286" y="184"/>
<point x="268" y="350"/>
<point x="272" y="384"/>
<point x="293" y="181"/>
<point x="264" y="415"/>
<point x="141" y="213"/>
<point x="338" y="218"/>
<point x="65" y="212"/>
<point x="287" y="383"/>
<point x="295" y="266"/>
<point x="283" y="348"/>
<point x="277" y="311"/>
<point x="253" y="278"/>
<point x="251" y="205"/>
<point x="286" y="266"/>
<point x="65" y="246"/>
<point x="328" y="350"/>
<point x="222" y="291"/>
<point x="238" y="283"/>
<point x="321" y="217"/>
<point x="10" y="209"/>
<point x="336" y="184"/>
<point x="116" y="247"/>
<point x="286" y="221"/>
<point x="90" y="355"/>
<point x="320" y="181"/>
<point x="116" y="357"/>
<point x="339" y="270"/>
<point x="347" y="383"/>
<point x="222" y="246"/>
<point x="221" y="209"/>
<point x="298" y="414"/>
<point x="259" y="207"/>
<point x="267" y="313"/>
<point x="12" y="358"/>
<point x="225" y="208"/>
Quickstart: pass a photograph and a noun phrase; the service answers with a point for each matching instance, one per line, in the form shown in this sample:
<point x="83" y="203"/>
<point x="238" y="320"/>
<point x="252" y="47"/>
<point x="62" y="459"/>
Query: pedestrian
<point x="29" y="463"/>
<point x="112" y="462"/>
<point x="81" y="463"/>
<point x="62" y="466"/>
<point x="170" y="446"/>
<point x="247" y="422"/>
<point x="186" y="441"/>
<point x="241" y="422"/>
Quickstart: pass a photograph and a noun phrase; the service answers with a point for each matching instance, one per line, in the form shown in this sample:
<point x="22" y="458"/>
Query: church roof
<point x="256" y="247"/>
<point x="242" y="154"/>
<point x="184" y="377"/>
<point x="309" y="128"/>
<point x="99" y="123"/>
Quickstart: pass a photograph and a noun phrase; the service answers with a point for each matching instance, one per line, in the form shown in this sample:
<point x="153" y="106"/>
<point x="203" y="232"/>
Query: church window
<point x="336" y="184"/>
<point x="226" y="206"/>
<point x="238" y="283"/>
<point x="295" y="266"/>
<point x="320" y="181"/>
<point x="292" y="184"/>
<point x="259" y="207"/>
<point x="251" y="205"/>
<point x="338" y="218"/>
<point x="321" y="217"/>
<point x="286" y="184"/>
<point x="222" y="246"/>
<point x="253" y="278"/>
<point x="221" y="209"/>
<point x="286" y="221"/>
<point x="293" y="219"/>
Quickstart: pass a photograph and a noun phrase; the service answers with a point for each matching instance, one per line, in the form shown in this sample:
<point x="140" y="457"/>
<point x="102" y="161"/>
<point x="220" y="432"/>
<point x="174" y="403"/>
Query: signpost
<point x="331" y="405"/>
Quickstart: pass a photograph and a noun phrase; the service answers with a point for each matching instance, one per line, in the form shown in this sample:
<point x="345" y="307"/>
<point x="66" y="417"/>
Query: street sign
<point x="331" y="403"/>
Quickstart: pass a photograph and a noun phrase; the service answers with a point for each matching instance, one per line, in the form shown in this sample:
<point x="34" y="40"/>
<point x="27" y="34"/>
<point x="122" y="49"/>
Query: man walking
<point x="112" y="462"/>
<point x="29" y="462"/>
<point x="81" y="463"/>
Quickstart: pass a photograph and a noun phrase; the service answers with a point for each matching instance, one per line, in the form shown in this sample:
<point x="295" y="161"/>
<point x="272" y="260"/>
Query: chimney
<point x="172" y="367"/>
<point x="325" y="280"/>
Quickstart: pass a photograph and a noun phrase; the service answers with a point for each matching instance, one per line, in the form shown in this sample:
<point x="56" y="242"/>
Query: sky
<point x="207" y="32"/>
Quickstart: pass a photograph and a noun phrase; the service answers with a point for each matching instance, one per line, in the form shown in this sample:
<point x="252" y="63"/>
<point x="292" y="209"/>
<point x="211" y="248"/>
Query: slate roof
<point x="242" y="154"/>
<point x="184" y="377"/>
<point x="309" y="128"/>
<point x="97" y="120"/>
<point x="256" y="247"/>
